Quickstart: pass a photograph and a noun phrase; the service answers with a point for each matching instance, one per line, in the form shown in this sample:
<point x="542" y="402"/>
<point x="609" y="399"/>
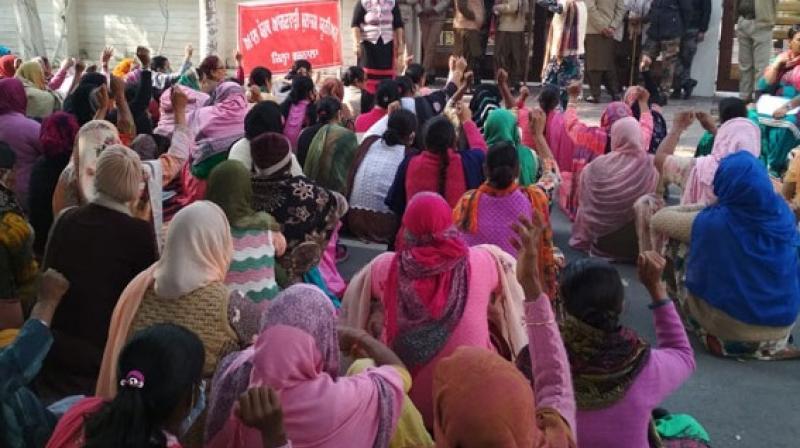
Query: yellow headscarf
<point x="123" y="68"/>
<point x="31" y="71"/>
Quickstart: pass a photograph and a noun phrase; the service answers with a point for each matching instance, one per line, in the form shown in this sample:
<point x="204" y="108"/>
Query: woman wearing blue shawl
<point x="742" y="274"/>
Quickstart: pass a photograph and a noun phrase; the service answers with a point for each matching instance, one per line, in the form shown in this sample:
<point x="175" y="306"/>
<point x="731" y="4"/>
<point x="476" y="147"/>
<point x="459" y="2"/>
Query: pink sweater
<point x="366" y="120"/>
<point x="473" y="330"/>
<point x="624" y="425"/>
<point x="551" y="374"/>
<point x="595" y="138"/>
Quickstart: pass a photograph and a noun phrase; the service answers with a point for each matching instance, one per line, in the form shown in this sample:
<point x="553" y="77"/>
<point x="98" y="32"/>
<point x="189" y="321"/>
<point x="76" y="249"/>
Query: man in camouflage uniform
<point x="667" y="18"/>
<point x="696" y="27"/>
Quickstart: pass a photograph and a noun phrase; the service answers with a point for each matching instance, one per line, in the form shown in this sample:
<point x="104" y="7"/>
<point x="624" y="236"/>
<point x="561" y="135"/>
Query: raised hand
<point x="527" y="243"/>
<point x="68" y="63"/>
<point x="683" y="120"/>
<point x="105" y="101"/>
<point x="502" y="76"/>
<point x="706" y="120"/>
<point x="650" y="266"/>
<point x="538" y="121"/>
<point x="644" y="95"/>
<point x="524" y="93"/>
<point x="106" y="55"/>
<point x="52" y="287"/>
<point x="468" y="78"/>
<point x="117" y="87"/>
<point x="188" y="51"/>
<point x="463" y="112"/>
<point x="461" y="64"/>
<point x="143" y="54"/>
<point x="260" y="408"/>
<point x="178" y="98"/>
<point x="575" y="89"/>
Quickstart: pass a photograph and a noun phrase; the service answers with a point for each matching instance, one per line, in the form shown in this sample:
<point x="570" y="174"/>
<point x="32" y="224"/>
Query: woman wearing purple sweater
<point x="618" y="377"/>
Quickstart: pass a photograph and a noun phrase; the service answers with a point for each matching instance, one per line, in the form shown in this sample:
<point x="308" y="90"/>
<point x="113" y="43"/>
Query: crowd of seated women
<point x="170" y="244"/>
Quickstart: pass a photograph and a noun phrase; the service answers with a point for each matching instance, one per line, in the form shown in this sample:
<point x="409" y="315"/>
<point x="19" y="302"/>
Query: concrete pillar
<point x="66" y="16"/>
<point x="209" y="28"/>
<point x="31" y="37"/>
<point x="704" y="66"/>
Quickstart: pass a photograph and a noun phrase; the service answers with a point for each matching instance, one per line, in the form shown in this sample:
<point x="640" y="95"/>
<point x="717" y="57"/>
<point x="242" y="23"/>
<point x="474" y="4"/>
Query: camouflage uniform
<point x="669" y="50"/>
<point x="683" y="67"/>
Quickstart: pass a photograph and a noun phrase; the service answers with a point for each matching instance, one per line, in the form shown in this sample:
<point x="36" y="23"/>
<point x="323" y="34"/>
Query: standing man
<point x="408" y="10"/>
<point x="696" y="28"/>
<point x="605" y="18"/>
<point x="667" y="19"/>
<point x="509" y="40"/>
<point x="756" y="19"/>
<point x="467" y="24"/>
<point x="431" y="19"/>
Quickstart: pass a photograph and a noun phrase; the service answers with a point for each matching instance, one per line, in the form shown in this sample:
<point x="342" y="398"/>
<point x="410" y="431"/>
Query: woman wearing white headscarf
<point x="99" y="247"/>
<point x="185" y="287"/>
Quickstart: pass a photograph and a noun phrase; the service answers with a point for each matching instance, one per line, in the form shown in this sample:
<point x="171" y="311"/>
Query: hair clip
<point x="134" y="379"/>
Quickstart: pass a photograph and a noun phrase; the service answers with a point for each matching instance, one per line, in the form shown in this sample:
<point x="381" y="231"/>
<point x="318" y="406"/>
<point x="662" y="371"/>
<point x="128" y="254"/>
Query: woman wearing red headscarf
<point x="58" y="134"/>
<point x="431" y="297"/>
<point x="8" y="66"/>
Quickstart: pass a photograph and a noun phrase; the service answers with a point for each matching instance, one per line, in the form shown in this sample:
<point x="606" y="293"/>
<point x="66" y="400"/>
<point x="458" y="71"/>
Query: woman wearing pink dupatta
<point x="610" y="186"/>
<point x="739" y="134"/>
<point x="593" y="141"/>
<point x="694" y="175"/>
<point x="216" y="127"/>
<point x="433" y="296"/>
<point x="297" y="355"/>
<point x="561" y="145"/>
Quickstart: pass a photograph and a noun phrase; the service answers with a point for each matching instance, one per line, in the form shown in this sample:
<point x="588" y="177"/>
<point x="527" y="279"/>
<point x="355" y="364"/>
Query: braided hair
<point x="440" y="135"/>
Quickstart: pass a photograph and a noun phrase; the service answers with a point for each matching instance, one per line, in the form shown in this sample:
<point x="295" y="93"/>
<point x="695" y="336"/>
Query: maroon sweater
<point x="99" y="251"/>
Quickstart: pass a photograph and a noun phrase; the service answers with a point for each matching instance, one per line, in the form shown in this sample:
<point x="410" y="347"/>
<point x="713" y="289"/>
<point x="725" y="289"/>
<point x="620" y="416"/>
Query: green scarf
<point x="705" y="145"/>
<point x="229" y="187"/>
<point x="330" y="156"/>
<point x="189" y="79"/>
<point x="501" y="126"/>
<point x="681" y="426"/>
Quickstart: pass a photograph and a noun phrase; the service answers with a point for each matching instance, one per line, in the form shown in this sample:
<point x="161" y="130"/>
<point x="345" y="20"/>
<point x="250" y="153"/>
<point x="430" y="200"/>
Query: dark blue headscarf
<point x="744" y="249"/>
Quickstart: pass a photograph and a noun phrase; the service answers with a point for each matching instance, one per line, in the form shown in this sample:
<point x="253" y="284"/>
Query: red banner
<point x="274" y="35"/>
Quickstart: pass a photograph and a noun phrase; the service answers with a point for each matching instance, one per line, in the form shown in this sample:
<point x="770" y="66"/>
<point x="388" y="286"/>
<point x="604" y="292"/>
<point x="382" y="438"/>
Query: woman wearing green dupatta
<point x="501" y="126"/>
<point x="257" y="240"/>
<point x="333" y="149"/>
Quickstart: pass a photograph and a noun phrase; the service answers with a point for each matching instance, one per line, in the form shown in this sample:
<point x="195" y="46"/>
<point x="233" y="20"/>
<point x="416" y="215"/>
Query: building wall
<point x="125" y="24"/>
<point x="122" y="24"/>
<point x="9" y="31"/>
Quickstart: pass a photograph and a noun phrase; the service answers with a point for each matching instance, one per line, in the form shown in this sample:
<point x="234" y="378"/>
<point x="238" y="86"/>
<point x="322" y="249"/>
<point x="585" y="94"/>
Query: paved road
<point x="741" y="403"/>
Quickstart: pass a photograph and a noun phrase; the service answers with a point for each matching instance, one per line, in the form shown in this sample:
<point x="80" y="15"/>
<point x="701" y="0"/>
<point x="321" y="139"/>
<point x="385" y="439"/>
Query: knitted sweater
<point x="252" y="270"/>
<point x="494" y="214"/>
